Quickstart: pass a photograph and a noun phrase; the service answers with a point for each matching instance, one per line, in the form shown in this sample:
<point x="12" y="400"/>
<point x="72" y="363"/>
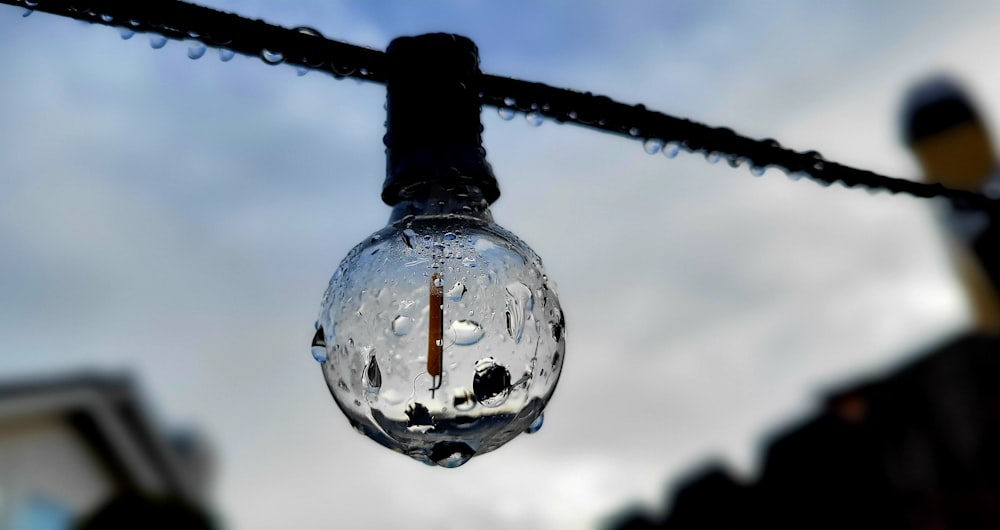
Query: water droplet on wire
<point x="126" y="33"/>
<point x="301" y="71"/>
<point x="272" y="57"/>
<point x="671" y="150"/>
<point x="533" y="118"/>
<point x="505" y="113"/>
<point x="31" y="3"/>
<point x="226" y="55"/>
<point x="107" y="18"/>
<point x="27" y="12"/>
<point x="652" y="146"/>
<point x="157" y="41"/>
<point x="757" y="170"/>
<point x="713" y="157"/>
<point x="197" y="51"/>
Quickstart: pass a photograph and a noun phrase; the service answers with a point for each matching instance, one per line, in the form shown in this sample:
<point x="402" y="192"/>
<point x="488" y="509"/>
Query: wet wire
<point x="306" y="48"/>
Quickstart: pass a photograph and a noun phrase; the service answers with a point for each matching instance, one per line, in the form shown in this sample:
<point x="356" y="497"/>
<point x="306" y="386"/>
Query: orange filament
<point x="435" y="332"/>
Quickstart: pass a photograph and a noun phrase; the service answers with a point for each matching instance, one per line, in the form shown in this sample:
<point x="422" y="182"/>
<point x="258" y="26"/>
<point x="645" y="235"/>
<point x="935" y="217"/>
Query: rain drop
<point x="652" y="146"/>
<point x="509" y="101"/>
<point x="319" y="346"/>
<point x="372" y="378"/>
<point x="464" y="332"/>
<point x="455" y="293"/>
<point x="491" y="384"/>
<point x="519" y="301"/>
<point x="757" y="170"/>
<point x="505" y="113"/>
<point x="107" y="18"/>
<point x="272" y="57"/>
<point x="27" y="12"/>
<point x="536" y="425"/>
<point x="197" y="51"/>
<point x="671" y="150"/>
<point x="301" y="71"/>
<point x="449" y="236"/>
<point x="126" y="33"/>
<point x="534" y="119"/>
<point x="713" y="157"/>
<point x="226" y="55"/>
<point x="451" y="454"/>
<point x="31" y="3"/>
<point x="402" y="325"/>
<point x="634" y="131"/>
<point x="157" y="41"/>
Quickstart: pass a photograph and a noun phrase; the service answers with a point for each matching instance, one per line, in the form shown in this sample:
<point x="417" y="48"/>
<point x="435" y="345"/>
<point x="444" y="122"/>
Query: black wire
<point x="306" y="48"/>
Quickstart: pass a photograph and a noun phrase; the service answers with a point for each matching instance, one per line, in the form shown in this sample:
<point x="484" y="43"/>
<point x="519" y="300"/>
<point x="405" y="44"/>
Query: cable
<point x="306" y="48"/>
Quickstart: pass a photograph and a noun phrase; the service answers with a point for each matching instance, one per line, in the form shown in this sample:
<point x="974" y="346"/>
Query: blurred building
<point x="72" y="447"/>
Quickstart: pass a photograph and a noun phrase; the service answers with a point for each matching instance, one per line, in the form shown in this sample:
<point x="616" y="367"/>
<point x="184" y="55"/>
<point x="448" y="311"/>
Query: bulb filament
<point x="435" y="332"/>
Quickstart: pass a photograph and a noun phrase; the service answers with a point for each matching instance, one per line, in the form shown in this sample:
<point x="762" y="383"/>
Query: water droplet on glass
<point x="671" y="150"/>
<point x="491" y="384"/>
<point x="226" y="55"/>
<point x="126" y="33"/>
<point x="713" y="157"/>
<point x="455" y="293"/>
<point x="197" y="51"/>
<point x="107" y="18"/>
<point x="464" y="332"/>
<point x="319" y="346"/>
<point x="505" y="113"/>
<point x="372" y="377"/>
<point x="519" y="301"/>
<point x="536" y="425"/>
<point x="534" y="119"/>
<point x="157" y="41"/>
<point x="652" y="146"/>
<point x="272" y="57"/>
<point x="557" y="331"/>
<point x="402" y="325"/>
<point x="409" y="237"/>
<point x="463" y="400"/>
<point x="451" y="454"/>
<point x="301" y="71"/>
<point x="449" y="236"/>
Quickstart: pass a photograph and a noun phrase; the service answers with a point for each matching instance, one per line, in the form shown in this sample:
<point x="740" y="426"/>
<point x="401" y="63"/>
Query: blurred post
<point x="953" y="147"/>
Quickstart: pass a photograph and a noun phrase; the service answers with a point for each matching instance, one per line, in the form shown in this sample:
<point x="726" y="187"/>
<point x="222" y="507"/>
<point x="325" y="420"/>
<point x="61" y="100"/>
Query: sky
<point x="179" y="219"/>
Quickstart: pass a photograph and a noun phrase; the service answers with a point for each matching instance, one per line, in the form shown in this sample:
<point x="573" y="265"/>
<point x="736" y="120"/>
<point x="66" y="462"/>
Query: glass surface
<point x="443" y="337"/>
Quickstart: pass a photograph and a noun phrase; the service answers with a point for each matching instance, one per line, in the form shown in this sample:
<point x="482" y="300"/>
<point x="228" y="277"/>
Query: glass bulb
<point x="441" y="337"/>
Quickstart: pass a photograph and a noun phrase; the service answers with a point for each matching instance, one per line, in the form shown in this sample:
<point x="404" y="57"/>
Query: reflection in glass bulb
<point x="443" y="337"/>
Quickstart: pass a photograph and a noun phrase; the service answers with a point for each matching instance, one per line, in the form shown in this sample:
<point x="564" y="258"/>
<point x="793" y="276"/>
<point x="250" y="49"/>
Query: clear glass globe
<point x="441" y="337"/>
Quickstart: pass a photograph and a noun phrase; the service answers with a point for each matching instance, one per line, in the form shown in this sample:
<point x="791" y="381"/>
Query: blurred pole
<point x="945" y="133"/>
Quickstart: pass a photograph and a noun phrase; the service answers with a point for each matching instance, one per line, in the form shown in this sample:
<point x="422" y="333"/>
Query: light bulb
<point x="440" y="336"/>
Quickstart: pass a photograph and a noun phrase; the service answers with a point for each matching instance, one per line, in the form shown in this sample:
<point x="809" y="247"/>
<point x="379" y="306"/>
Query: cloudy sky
<point x="179" y="219"/>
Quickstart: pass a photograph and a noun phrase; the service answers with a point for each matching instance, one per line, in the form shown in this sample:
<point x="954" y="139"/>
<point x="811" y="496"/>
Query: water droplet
<point x="491" y="384"/>
<point x="463" y="400"/>
<point x="157" y="41"/>
<point x="27" y="12"/>
<point x="197" y="51"/>
<point x="134" y="23"/>
<point x="451" y="454"/>
<point x="319" y="346"/>
<point x="671" y="150"/>
<point x="272" y="57"/>
<point x="301" y="71"/>
<point x="402" y="325"/>
<point x="438" y="282"/>
<point x="509" y="101"/>
<point x="519" y="301"/>
<point x="455" y="293"/>
<point x="757" y="170"/>
<point x="126" y="33"/>
<point x="652" y="146"/>
<point x="713" y="157"/>
<point x="557" y="331"/>
<point x="31" y="3"/>
<point x="372" y="377"/>
<point x="536" y="425"/>
<point x="464" y="332"/>
<point x="505" y="113"/>
<point x="409" y="236"/>
<point x="634" y="131"/>
<point x="226" y="55"/>
<point x="306" y="30"/>
<point x="107" y="18"/>
<point x="534" y="119"/>
<point x="449" y="236"/>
